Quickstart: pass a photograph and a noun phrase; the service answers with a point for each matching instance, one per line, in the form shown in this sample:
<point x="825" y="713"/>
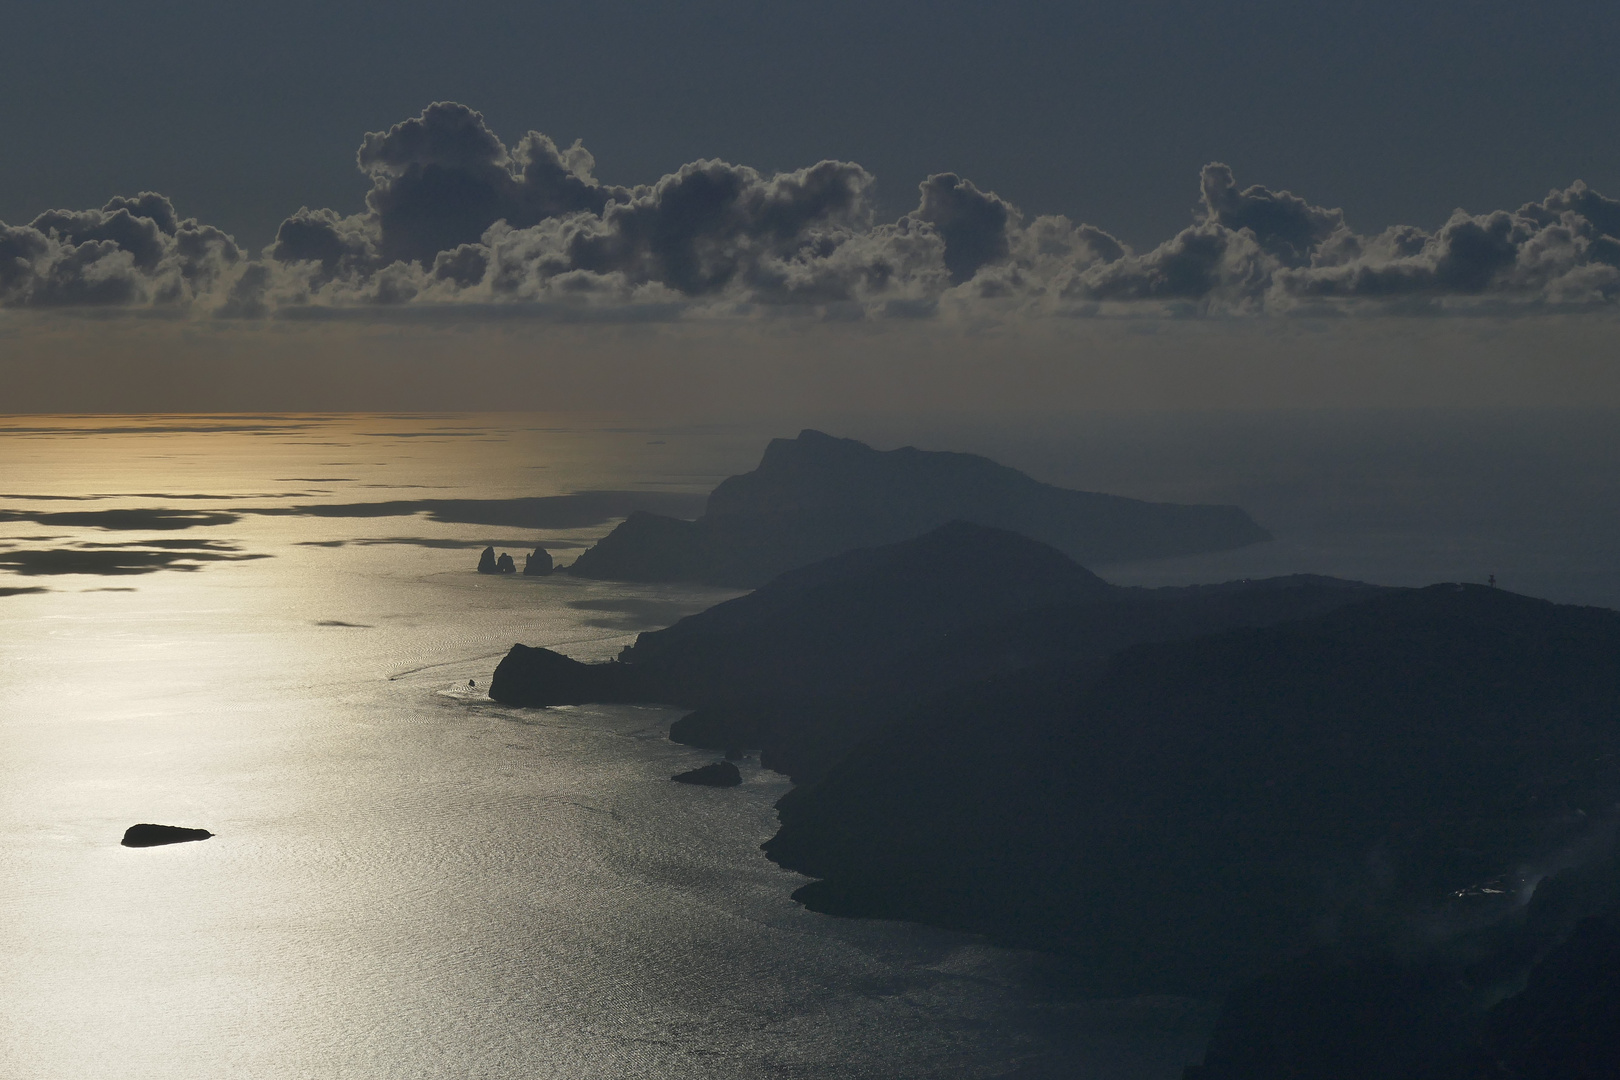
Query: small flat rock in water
<point x="147" y="835"/>
<point x="720" y="774"/>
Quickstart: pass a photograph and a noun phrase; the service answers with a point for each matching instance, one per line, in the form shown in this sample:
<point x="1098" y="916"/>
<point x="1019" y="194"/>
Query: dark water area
<point x="197" y="627"/>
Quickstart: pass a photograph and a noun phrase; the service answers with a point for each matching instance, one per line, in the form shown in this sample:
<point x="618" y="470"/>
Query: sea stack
<point x="486" y="562"/>
<point x="538" y="563"/>
<point x="505" y="565"/>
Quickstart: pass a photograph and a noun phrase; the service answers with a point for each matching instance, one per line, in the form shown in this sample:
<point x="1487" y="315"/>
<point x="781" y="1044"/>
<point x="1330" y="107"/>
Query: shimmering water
<point x="410" y="881"/>
<point x="407" y="879"/>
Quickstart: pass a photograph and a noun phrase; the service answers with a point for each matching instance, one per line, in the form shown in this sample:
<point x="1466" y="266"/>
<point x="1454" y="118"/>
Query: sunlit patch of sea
<point x="407" y="879"/>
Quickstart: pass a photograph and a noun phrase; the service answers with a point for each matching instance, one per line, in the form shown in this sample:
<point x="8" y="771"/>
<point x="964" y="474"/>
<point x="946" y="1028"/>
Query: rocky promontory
<point x="533" y="678"/>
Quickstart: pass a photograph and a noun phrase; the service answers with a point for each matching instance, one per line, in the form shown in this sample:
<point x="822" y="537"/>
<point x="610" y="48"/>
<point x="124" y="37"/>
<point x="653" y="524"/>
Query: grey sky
<point x="1024" y="205"/>
<point x="1395" y="111"/>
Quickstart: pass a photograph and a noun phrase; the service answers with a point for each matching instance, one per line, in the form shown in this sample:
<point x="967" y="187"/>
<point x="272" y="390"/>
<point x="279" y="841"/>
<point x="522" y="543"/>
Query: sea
<point x="271" y="627"/>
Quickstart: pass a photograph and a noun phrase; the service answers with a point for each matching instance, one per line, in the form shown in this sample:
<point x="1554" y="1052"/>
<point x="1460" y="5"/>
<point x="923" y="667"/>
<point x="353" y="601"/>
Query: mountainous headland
<point x="807" y="666"/>
<point x="1297" y="791"/>
<point x="1206" y="806"/>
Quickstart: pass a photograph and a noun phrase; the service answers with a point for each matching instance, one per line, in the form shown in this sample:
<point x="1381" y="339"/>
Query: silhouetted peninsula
<point x="148" y="835"/>
<point x="807" y="666"/>
<point x="816" y="496"/>
<point x="1209" y="807"/>
<point x="1329" y="797"/>
<point x="718" y="774"/>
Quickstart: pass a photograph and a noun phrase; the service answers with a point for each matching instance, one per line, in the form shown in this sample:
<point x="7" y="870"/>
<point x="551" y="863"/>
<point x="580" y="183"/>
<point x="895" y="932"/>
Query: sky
<point x="727" y="205"/>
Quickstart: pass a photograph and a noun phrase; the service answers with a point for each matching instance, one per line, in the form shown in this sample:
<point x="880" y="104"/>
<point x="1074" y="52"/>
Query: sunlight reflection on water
<point x="406" y="879"/>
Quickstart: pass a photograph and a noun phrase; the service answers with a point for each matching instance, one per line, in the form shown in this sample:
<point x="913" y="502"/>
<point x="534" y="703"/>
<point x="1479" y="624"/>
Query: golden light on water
<point x="405" y="880"/>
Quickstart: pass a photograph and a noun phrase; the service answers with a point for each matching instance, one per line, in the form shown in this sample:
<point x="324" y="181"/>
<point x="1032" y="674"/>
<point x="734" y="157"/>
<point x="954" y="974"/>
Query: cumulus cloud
<point x="1262" y="250"/>
<point x="1562" y="250"/>
<point x="698" y="232"/>
<point x="438" y="181"/>
<point x="131" y="252"/>
<point x="973" y="224"/>
<point x="457" y="221"/>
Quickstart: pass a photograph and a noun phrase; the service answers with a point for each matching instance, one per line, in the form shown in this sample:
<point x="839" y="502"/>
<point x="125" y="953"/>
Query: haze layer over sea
<point x="215" y="622"/>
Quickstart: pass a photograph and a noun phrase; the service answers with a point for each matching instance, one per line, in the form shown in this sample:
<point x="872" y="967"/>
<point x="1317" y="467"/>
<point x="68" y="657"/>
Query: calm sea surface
<point x="410" y="881"/>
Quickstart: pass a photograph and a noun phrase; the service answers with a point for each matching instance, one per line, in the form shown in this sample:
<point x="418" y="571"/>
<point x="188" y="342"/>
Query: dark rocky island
<point x="816" y="496"/>
<point x="489" y="564"/>
<point x="536" y="564"/>
<point x="148" y="835"/>
<point x="719" y="774"/>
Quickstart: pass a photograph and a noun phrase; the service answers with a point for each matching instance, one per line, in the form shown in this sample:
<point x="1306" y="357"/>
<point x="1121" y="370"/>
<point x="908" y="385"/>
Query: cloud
<point x="459" y="226"/>
<point x="705" y="230"/>
<point x="1262" y="250"/>
<point x="973" y="224"/>
<point x="131" y="252"/>
<point x="1281" y="223"/>
<point x="1562" y="250"/>
<point x="440" y="179"/>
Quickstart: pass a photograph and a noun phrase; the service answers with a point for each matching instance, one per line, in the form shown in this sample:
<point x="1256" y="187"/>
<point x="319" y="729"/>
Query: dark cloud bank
<point x="458" y="224"/>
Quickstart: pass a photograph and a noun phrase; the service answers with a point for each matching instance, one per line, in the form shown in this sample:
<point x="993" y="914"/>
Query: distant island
<point x="816" y="496"/>
<point x="147" y="834"/>
<point x="1315" y="796"/>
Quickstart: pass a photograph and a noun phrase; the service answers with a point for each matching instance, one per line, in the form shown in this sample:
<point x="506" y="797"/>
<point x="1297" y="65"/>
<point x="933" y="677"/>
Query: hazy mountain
<point x="816" y="496"/>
